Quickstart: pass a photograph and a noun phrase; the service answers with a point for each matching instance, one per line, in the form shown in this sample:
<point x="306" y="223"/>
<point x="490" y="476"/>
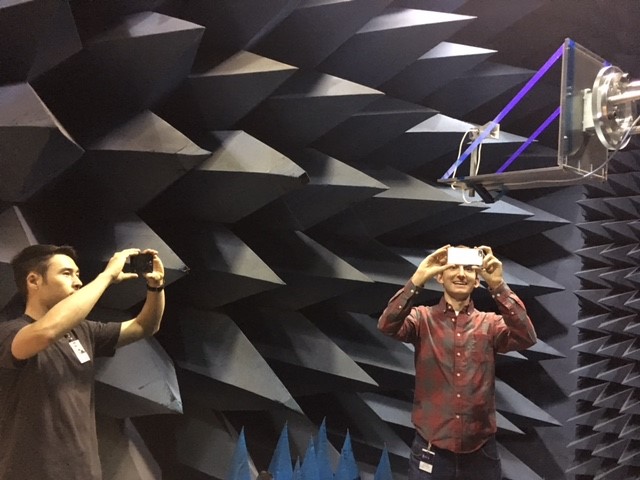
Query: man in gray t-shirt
<point x="47" y="423"/>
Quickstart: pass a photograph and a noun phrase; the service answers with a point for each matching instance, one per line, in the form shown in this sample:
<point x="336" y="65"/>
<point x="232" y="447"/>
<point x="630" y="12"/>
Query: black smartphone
<point x="141" y="263"/>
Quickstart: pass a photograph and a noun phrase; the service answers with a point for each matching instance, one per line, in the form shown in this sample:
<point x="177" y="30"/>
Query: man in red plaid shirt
<point x="455" y="349"/>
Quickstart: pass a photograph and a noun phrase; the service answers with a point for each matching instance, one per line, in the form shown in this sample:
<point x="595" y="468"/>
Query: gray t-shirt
<point x="47" y="414"/>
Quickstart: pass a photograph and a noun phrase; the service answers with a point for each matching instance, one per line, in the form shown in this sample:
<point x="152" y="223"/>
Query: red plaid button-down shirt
<point x="454" y="398"/>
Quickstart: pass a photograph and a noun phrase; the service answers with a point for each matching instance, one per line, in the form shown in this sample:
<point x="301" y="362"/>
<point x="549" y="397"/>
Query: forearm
<point x="146" y="323"/>
<point x="520" y="332"/>
<point x="419" y="278"/>
<point x="72" y="310"/>
<point x="61" y="318"/>
<point x="150" y="316"/>
<point x="394" y="319"/>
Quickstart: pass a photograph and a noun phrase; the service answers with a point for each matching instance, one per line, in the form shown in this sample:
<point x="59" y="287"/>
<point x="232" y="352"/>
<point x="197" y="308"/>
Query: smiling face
<point x="61" y="279"/>
<point x="459" y="281"/>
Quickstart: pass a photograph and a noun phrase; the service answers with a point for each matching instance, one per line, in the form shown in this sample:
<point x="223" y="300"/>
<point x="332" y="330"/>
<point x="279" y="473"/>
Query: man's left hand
<point x="491" y="270"/>
<point x="156" y="277"/>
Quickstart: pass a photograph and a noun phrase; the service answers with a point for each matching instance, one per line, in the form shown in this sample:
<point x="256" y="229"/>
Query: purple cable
<point x="529" y="85"/>
<point x="530" y="140"/>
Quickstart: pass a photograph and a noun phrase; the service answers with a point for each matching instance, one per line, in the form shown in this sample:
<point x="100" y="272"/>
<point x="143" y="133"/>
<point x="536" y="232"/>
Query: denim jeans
<point x="483" y="464"/>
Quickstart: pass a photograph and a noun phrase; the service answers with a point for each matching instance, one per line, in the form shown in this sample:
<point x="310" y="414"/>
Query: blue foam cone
<point x="347" y="467"/>
<point x="239" y="468"/>
<point x="310" y="463"/>
<point x="280" y="466"/>
<point x="325" y="469"/>
<point x="297" y="471"/>
<point x="383" y="472"/>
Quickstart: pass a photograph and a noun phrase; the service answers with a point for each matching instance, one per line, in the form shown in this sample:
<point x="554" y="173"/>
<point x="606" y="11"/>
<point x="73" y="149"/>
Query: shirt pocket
<point x="481" y="347"/>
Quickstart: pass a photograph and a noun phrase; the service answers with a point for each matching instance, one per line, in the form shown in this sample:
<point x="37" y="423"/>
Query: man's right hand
<point x="431" y="266"/>
<point x="116" y="264"/>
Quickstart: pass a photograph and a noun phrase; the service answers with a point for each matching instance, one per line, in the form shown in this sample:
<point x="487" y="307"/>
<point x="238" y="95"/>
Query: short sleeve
<point x="8" y="331"/>
<point x="105" y="337"/>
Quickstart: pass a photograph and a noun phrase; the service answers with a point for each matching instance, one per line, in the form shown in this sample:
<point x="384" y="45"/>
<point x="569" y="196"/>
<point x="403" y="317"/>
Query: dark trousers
<point x="483" y="464"/>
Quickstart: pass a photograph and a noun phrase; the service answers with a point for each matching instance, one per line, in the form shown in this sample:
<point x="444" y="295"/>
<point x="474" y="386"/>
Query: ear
<point x="33" y="280"/>
<point x="476" y="284"/>
<point x="439" y="278"/>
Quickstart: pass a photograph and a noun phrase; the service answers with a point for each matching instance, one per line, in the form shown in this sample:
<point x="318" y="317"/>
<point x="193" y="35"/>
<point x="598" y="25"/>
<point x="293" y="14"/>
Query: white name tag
<point x="79" y="350"/>
<point x="426" y="464"/>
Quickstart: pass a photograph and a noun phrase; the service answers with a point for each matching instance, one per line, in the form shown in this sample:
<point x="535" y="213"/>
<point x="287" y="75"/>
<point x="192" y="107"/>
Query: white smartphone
<point x="464" y="256"/>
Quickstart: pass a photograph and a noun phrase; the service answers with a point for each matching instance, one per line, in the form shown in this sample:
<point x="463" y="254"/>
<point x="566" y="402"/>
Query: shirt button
<point x="458" y="354"/>
<point x="458" y="395"/>
<point x="457" y="416"/>
<point x="458" y="374"/>
<point x="459" y="334"/>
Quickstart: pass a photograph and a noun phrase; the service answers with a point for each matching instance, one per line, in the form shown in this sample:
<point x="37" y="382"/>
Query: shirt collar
<point x="442" y="307"/>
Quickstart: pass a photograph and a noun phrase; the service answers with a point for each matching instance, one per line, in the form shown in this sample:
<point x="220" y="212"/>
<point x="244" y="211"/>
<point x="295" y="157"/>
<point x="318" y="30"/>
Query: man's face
<point x="459" y="281"/>
<point x="61" y="279"/>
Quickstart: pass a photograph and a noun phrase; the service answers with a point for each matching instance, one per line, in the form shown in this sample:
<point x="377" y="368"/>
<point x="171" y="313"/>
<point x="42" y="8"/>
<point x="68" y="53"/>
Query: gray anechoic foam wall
<point x="282" y="157"/>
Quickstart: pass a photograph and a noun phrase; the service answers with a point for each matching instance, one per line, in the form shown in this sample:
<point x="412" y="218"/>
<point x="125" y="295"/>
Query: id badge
<point x="426" y="460"/>
<point x="79" y="350"/>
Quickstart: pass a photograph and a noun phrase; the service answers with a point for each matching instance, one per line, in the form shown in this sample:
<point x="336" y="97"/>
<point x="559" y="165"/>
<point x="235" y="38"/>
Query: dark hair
<point x="35" y="258"/>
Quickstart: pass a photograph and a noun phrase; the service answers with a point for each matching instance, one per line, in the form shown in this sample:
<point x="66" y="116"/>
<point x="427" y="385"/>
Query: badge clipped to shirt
<point x="426" y="461"/>
<point x="78" y="349"/>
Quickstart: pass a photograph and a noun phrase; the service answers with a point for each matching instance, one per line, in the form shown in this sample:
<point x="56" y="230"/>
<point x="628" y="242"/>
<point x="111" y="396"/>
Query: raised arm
<point x="399" y="320"/>
<point x="516" y="331"/>
<point x="52" y="323"/>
